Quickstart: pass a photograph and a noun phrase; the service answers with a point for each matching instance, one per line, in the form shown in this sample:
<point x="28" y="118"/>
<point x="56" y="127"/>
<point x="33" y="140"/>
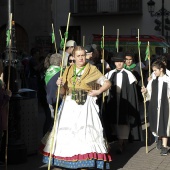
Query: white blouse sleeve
<point x="149" y="90"/>
<point x="168" y="90"/>
<point x="101" y="80"/>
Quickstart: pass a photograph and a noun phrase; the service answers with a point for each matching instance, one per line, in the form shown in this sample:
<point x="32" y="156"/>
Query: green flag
<point x="117" y="43"/>
<point x="139" y="43"/>
<point x="147" y="53"/>
<point x="53" y="38"/>
<point x="8" y="32"/>
<point x="62" y="43"/>
<point x="66" y="35"/>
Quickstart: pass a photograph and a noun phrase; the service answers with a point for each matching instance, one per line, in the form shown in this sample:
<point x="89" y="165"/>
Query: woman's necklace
<point x="75" y="76"/>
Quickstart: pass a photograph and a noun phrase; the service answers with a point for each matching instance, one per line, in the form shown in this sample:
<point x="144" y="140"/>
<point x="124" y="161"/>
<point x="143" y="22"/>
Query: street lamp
<point x="161" y="13"/>
<point x="151" y="7"/>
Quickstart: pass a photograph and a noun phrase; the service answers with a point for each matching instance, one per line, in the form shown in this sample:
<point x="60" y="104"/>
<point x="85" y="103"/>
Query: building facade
<point x="33" y="20"/>
<point x="32" y="24"/>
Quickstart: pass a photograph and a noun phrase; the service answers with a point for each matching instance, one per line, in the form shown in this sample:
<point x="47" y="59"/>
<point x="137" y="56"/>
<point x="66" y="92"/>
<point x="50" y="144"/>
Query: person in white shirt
<point x="164" y="60"/>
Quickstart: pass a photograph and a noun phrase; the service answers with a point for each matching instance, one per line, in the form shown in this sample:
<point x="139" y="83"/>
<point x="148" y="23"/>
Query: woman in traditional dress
<point x="78" y="140"/>
<point x="158" y="93"/>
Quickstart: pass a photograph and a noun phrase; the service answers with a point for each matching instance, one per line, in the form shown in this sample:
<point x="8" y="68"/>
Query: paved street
<point x="134" y="156"/>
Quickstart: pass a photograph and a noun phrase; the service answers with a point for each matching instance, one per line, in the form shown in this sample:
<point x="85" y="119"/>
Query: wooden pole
<point x="60" y="34"/>
<point x="8" y="87"/>
<point x="54" y="38"/>
<point x="58" y="94"/>
<point x="10" y="28"/>
<point x="83" y="41"/>
<point x="117" y="40"/>
<point x="143" y="94"/>
<point x="103" y="51"/>
<point x="149" y="59"/>
<point x="103" y="60"/>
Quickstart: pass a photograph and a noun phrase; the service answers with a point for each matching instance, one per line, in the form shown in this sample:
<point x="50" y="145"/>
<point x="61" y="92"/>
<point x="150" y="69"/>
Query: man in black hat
<point x="121" y="104"/>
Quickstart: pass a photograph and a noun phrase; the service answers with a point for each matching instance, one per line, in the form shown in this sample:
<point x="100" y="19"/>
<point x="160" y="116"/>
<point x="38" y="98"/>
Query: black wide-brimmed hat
<point x="119" y="57"/>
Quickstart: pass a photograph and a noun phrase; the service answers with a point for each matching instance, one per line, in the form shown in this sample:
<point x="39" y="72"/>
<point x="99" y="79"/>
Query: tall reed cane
<point x="149" y="59"/>
<point x="8" y="88"/>
<point x="103" y="59"/>
<point x="83" y="41"/>
<point x="54" y="38"/>
<point x="60" y="34"/>
<point x="143" y="94"/>
<point x="58" y="93"/>
<point x="117" y="41"/>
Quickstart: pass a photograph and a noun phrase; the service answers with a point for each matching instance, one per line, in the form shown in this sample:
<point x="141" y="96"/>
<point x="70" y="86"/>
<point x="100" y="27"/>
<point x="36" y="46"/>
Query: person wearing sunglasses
<point x="71" y="60"/>
<point x="70" y="45"/>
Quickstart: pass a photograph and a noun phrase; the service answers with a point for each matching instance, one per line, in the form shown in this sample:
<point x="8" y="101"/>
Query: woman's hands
<point x="94" y="93"/>
<point x="59" y="82"/>
<point x="149" y="78"/>
<point x="106" y="86"/>
<point x="143" y="90"/>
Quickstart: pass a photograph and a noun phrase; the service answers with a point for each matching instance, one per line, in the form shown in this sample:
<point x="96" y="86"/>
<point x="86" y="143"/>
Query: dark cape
<point x="163" y="112"/>
<point x="128" y="104"/>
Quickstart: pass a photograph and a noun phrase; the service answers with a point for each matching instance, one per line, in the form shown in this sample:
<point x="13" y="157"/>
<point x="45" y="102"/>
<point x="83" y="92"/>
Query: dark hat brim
<point x="117" y="59"/>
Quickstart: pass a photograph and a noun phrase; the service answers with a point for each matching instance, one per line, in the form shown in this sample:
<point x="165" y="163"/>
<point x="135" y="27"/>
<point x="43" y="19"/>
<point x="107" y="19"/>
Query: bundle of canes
<point x="8" y="83"/>
<point x="139" y="43"/>
<point x="56" y="115"/>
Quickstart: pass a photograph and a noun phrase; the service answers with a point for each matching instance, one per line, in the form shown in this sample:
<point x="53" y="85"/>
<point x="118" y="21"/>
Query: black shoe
<point x="159" y="144"/>
<point x="164" y="151"/>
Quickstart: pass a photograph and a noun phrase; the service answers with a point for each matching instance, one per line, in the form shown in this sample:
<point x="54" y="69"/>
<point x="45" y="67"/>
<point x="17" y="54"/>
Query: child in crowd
<point x="158" y="93"/>
<point x="121" y="108"/>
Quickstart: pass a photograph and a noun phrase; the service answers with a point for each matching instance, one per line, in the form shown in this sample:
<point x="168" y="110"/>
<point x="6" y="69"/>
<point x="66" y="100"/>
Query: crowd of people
<point x="5" y="95"/>
<point x="99" y="103"/>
